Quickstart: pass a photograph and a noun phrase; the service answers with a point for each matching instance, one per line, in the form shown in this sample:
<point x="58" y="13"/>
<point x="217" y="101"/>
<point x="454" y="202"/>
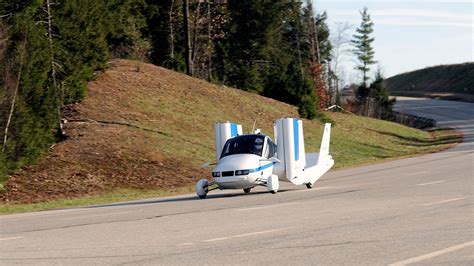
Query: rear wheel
<point x="247" y="190"/>
<point x="202" y="188"/>
<point x="309" y="185"/>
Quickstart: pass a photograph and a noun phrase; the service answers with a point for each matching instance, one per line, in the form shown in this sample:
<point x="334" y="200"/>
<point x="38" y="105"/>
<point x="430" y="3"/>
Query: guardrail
<point x="413" y="120"/>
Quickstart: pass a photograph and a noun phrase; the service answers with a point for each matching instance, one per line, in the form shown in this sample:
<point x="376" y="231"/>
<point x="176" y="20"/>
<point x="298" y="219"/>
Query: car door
<point x="266" y="165"/>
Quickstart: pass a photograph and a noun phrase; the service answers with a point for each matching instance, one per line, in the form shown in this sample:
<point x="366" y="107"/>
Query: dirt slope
<point x="146" y="127"/>
<point x="141" y="127"/>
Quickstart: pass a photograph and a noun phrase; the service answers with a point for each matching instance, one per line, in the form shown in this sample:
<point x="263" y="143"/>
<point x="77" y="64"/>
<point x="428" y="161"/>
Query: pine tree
<point x="33" y="118"/>
<point x="164" y="28"/>
<point x="63" y="43"/>
<point x="363" y="45"/>
<point x="379" y="94"/>
<point x="252" y="34"/>
<point x="289" y="79"/>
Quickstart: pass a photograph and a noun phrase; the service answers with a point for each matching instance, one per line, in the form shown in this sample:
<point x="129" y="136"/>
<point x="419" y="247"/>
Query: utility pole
<point x="189" y="62"/>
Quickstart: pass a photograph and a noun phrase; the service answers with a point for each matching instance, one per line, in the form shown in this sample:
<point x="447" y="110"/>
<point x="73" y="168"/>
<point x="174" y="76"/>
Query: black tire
<point x="247" y="190"/>
<point x="202" y="188"/>
<point x="273" y="191"/>
<point x="309" y="185"/>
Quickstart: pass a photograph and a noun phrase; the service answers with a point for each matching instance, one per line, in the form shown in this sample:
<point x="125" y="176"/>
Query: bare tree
<point x="171" y="21"/>
<point x="209" y="42"/>
<point x="316" y="68"/>
<point x="16" y="86"/>
<point x="194" y="44"/>
<point x="54" y="66"/>
<point x="206" y="20"/>
<point x="3" y="39"/>
<point x="341" y="48"/>
<point x="189" y="62"/>
<point x="312" y="33"/>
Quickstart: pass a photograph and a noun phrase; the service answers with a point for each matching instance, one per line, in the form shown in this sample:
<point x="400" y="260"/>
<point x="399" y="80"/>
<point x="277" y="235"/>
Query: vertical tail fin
<point x="324" y="150"/>
<point x="223" y="132"/>
<point x="290" y="146"/>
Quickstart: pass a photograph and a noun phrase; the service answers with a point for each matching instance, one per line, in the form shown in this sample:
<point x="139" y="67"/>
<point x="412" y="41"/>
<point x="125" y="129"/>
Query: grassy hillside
<point x="458" y="78"/>
<point x="142" y="127"/>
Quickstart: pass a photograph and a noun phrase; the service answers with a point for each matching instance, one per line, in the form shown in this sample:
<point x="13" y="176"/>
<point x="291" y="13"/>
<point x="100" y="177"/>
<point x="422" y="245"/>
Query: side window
<point x="267" y="150"/>
<point x="270" y="149"/>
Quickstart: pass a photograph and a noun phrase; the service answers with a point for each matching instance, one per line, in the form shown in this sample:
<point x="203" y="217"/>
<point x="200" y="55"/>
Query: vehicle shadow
<point x="421" y="142"/>
<point x="183" y="199"/>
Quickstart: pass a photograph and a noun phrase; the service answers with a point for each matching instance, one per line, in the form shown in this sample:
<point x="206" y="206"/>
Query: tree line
<point x="50" y="49"/>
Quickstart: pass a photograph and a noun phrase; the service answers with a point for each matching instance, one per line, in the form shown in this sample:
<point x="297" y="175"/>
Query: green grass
<point x="110" y="197"/>
<point x="359" y="140"/>
<point x="185" y="109"/>
<point x="349" y="147"/>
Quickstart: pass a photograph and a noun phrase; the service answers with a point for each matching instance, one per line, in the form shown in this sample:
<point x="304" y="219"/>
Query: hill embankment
<point x="450" y="82"/>
<point x="143" y="127"/>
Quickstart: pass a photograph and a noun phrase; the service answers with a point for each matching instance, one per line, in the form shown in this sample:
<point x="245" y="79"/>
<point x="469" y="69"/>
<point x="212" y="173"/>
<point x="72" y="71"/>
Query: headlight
<point x="216" y="174"/>
<point x="242" y="172"/>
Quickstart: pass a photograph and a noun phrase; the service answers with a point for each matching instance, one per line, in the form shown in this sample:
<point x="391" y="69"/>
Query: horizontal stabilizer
<point x="324" y="149"/>
<point x="317" y="164"/>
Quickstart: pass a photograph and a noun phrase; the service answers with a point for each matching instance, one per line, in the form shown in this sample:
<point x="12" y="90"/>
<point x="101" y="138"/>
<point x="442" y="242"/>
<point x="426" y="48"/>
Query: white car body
<point x="246" y="161"/>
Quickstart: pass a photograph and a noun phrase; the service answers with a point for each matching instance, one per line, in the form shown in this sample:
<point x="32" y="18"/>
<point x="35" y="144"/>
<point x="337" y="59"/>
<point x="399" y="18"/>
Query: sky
<point x="409" y="35"/>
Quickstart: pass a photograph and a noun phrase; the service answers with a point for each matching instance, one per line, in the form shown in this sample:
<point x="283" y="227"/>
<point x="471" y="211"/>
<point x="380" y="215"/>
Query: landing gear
<point x="202" y="188"/>
<point x="247" y="190"/>
<point x="272" y="184"/>
<point x="309" y="185"/>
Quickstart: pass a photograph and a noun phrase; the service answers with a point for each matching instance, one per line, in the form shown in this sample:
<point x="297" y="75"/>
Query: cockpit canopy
<point x="249" y="144"/>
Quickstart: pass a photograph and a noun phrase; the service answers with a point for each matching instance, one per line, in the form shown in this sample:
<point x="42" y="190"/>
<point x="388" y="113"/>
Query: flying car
<point x="244" y="161"/>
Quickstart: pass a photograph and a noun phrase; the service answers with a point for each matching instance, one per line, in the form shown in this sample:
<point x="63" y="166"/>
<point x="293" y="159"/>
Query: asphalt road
<point x="418" y="210"/>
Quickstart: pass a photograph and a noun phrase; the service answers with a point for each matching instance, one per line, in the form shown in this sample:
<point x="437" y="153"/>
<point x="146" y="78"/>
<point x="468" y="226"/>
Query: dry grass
<point x="152" y="128"/>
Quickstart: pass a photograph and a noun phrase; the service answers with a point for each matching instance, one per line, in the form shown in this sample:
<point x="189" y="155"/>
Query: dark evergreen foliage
<point x="259" y="46"/>
<point x="379" y="93"/>
<point x="288" y="78"/>
<point x="371" y="100"/>
<point x="363" y="45"/>
<point x="85" y="34"/>
<point x="252" y="33"/>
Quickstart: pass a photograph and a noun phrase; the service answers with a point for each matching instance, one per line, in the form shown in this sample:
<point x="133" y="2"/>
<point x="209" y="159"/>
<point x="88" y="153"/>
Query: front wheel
<point x="309" y="185"/>
<point x="247" y="190"/>
<point x="202" y="188"/>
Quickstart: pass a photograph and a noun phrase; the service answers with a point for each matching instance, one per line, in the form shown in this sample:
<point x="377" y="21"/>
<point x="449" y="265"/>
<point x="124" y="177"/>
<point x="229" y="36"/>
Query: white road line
<point x="417" y="173"/>
<point x="313" y="189"/>
<point x="186" y="244"/>
<point x="433" y="254"/>
<point x="243" y="235"/>
<point x="96" y="215"/>
<point x="443" y="201"/>
<point x="452" y="152"/>
<point x="431" y="183"/>
<point x="11" y="238"/>
<point x="33" y="215"/>
<point x="264" y="207"/>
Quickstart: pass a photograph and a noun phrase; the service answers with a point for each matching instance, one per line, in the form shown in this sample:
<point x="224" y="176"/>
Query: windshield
<point x="250" y="144"/>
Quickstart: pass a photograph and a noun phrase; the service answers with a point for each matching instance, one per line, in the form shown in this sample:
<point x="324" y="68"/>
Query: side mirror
<point x="207" y="165"/>
<point x="273" y="160"/>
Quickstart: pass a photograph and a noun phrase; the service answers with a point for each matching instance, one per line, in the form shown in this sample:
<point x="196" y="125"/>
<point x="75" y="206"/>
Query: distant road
<point x="416" y="210"/>
<point x="459" y="115"/>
